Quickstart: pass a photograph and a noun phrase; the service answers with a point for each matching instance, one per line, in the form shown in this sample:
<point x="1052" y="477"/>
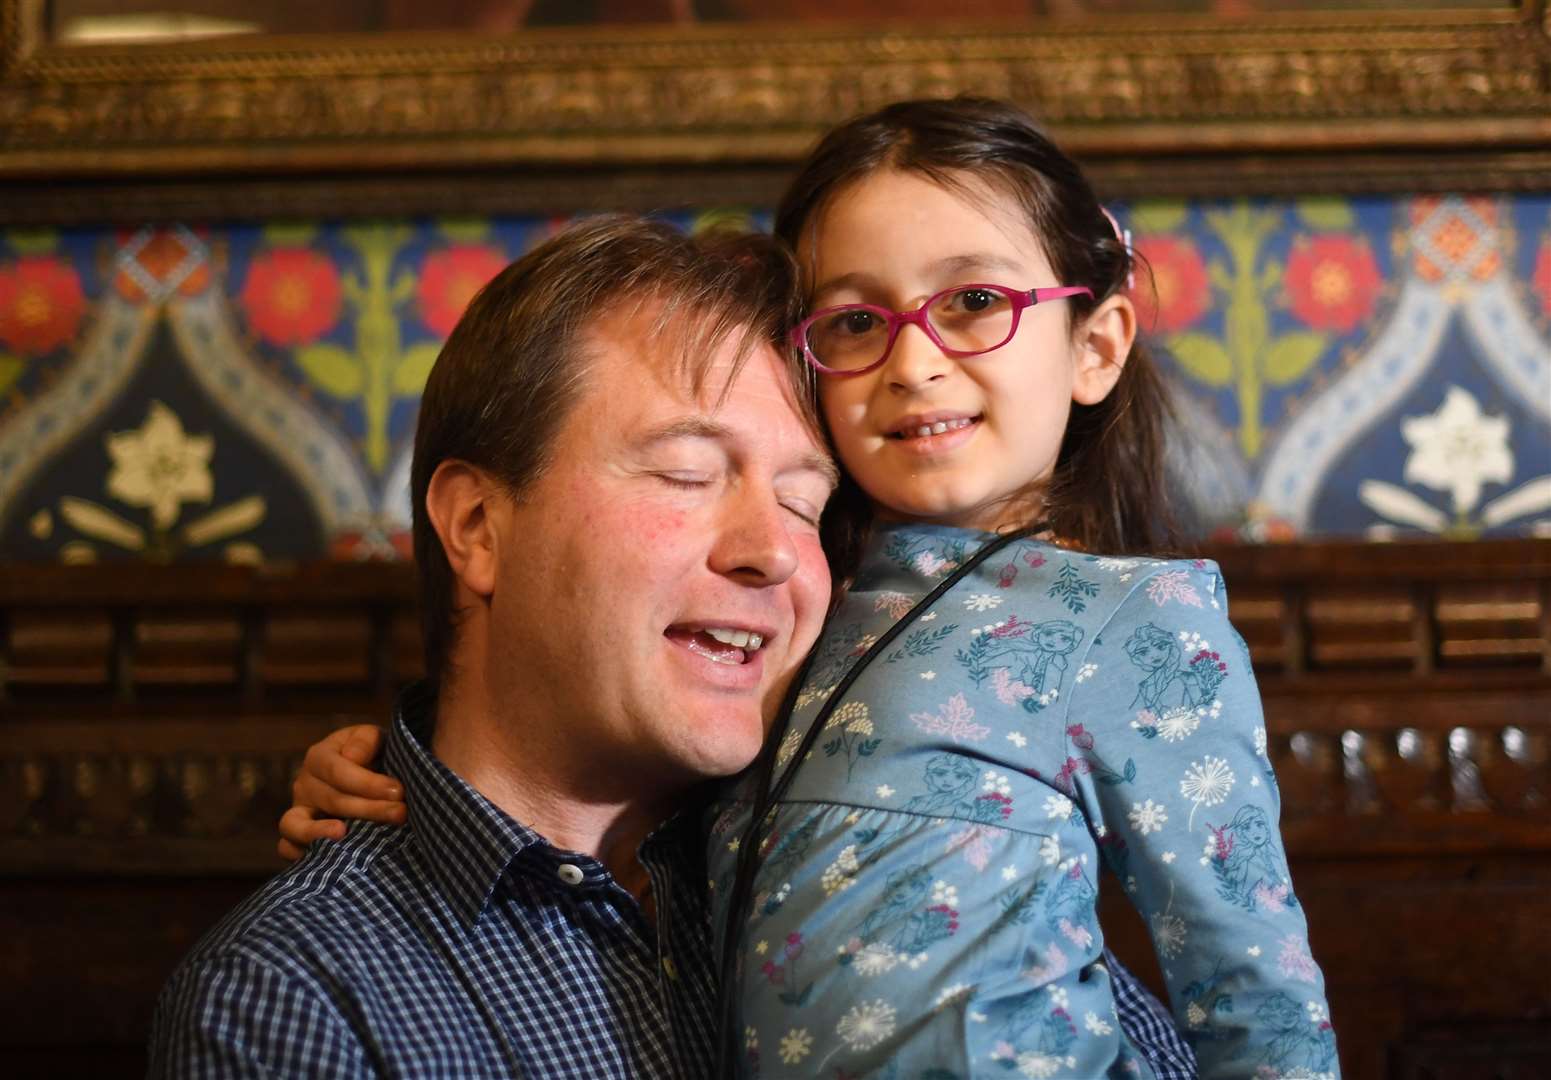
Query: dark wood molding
<point x="554" y="121"/>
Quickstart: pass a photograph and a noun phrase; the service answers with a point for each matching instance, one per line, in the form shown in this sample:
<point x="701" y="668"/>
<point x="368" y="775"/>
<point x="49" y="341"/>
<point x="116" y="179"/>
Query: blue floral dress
<point x="924" y="905"/>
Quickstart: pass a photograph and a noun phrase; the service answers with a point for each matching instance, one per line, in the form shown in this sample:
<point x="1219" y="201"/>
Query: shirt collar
<point x="467" y="841"/>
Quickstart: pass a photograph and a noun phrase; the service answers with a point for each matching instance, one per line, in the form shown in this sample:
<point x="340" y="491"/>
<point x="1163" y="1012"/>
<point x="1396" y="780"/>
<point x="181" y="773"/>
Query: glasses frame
<point x="1020" y="298"/>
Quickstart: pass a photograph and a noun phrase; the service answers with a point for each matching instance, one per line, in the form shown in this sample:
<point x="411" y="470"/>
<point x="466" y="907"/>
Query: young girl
<point x="1007" y="692"/>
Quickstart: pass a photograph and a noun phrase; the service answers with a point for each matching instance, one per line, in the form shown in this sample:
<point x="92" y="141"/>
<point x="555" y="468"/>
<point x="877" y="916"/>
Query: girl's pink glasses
<point x="966" y="320"/>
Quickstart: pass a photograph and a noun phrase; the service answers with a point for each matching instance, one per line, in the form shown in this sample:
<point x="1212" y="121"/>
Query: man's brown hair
<point x="506" y="379"/>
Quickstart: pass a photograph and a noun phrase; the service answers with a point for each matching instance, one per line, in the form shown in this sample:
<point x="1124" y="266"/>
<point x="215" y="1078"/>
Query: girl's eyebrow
<point x="956" y="264"/>
<point x="952" y="265"/>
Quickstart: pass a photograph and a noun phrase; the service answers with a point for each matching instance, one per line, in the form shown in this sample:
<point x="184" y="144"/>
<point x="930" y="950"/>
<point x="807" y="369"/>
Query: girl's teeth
<point x="939" y="427"/>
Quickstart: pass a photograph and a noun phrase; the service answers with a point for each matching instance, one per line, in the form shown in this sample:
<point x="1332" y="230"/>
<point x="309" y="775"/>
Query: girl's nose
<point x="915" y="360"/>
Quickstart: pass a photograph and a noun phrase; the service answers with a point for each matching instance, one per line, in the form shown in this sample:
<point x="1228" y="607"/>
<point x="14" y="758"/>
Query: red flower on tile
<point x="1176" y="292"/>
<point x="292" y="295"/>
<point x="41" y="304"/>
<point x="450" y="278"/>
<point x="1332" y="281"/>
<point x="1541" y="281"/>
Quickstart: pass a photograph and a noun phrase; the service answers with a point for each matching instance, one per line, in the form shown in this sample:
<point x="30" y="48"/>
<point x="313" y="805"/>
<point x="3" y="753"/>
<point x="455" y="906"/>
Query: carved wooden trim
<point x="152" y="720"/>
<point x="1207" y="101"/>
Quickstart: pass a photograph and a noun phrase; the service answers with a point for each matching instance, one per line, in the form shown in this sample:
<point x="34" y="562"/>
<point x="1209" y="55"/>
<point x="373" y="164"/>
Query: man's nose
<point x="915" y="360"/>
<point x="755" y="543"/>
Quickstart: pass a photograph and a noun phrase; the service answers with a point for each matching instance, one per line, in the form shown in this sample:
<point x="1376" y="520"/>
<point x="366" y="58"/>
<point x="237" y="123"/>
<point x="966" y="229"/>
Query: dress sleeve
<point x="1167" y="736"/>
<point x="233" y="1015"/>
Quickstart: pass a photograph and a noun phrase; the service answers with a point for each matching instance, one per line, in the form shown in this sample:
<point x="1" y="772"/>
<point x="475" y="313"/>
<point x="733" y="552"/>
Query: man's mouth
<point x="913" y="429"/>
<point x="719" y="644"/>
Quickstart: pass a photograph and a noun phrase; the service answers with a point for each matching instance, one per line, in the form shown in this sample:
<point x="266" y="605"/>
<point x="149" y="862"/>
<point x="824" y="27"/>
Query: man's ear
<point x="461" y="503"/>
<point x="1103" y="344"/>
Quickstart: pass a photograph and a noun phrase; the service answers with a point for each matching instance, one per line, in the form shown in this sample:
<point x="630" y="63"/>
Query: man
<point x="616" y="493"/>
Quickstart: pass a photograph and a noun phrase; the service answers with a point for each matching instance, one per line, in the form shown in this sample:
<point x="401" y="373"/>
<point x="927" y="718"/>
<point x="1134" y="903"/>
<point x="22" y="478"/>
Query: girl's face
<point x="1152" y="654"/>
<point x="895" y="238"/>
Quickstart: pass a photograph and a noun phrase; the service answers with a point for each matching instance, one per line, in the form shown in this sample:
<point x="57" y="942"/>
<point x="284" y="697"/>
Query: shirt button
<point x="571" y="875"/>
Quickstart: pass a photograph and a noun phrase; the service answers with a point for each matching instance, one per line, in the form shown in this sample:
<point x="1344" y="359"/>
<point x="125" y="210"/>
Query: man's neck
<point x="539" y="786"/>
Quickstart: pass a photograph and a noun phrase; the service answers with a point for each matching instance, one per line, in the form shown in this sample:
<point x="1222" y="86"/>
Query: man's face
<point x="662" y="580"/>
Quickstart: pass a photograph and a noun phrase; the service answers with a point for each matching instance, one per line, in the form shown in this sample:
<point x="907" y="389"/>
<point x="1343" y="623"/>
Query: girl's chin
<point x="926" y="512"/>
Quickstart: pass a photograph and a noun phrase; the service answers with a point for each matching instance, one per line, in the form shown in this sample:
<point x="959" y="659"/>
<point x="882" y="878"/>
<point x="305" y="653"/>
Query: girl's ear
<point x="1103" y="344"/>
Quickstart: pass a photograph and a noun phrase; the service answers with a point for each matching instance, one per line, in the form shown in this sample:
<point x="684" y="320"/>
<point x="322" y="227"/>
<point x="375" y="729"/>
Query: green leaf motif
<point x="413" y="370"/>
<point x="290" y="234"/>
<point x="1292" y="355"/>
<point x="464" y="230"/>
<point x="332" y="370"/>
<point x="10" y="371"/>
<point x="1158" y="215"/>
<point x="32" y="241"/>
<point x="1203" y="357"/>
<point x="1327" y="214"/>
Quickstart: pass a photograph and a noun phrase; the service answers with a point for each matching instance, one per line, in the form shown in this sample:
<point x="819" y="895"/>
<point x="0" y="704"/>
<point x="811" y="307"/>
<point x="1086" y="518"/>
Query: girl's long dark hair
<point x="1108" y="491"/>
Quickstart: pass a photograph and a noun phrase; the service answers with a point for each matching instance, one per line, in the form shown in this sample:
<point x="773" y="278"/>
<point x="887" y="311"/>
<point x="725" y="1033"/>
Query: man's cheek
<point x="813" y="566"/>
<point x="650" y="523"/>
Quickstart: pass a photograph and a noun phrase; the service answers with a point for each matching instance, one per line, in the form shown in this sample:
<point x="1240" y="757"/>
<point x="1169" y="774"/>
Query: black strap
<point x="768" y="794"/>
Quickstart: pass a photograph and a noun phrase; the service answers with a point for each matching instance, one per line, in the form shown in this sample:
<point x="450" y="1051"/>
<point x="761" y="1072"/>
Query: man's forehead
<point x="692" y="355"/>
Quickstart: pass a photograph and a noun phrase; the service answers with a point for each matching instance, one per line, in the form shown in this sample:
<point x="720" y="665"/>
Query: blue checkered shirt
<point x="460" y="945"/>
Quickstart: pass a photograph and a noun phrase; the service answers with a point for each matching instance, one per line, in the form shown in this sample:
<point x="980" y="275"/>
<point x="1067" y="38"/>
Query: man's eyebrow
<point x="820" y="462"/>
<point x="702" y="427"/>
<point x="686" y="427"/>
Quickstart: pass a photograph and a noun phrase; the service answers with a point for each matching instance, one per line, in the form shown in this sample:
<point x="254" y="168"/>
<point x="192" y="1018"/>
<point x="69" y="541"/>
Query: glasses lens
<point x="849" y="338"/>
<point x="972" y="319"/>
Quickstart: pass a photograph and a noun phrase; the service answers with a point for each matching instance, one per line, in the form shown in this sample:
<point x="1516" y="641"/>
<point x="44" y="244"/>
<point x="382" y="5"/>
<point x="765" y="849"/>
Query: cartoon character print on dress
<point x="951" y="793"/>
<point x="1304" y="1043"/>
<point x="1026" y="663"/>
<point x="1071" y="904"/>
<point x="837" y="651"/>
<point x="784" y="852"/>
<point x="1205" y="998"/>
<point x="930" y="555"/>
<point x="1175" y="694"/>
<point x="1037" y="1038"/>
<point x="1248" y="863"/>
<point x="915" y="912"/>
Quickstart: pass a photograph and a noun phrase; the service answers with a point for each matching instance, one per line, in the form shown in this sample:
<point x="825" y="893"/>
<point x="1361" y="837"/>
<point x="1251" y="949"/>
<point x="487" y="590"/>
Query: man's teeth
<point x="740" y="639"/>
<point x="941" y="426"/>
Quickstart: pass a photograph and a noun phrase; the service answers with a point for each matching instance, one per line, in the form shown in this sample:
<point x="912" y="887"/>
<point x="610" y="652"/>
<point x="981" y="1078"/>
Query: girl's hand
<point x="334" y="783"/>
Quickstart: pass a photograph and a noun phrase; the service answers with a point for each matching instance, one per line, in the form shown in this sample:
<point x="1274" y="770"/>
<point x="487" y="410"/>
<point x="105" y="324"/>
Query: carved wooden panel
<point x="151" y="724"/>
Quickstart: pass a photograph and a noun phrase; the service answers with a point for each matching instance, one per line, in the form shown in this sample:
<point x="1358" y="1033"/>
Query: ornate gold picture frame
<point x="556" y="120"/>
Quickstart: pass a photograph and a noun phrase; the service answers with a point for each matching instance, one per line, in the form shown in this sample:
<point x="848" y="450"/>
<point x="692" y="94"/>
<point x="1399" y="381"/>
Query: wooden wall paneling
<point x="152" y="723"/>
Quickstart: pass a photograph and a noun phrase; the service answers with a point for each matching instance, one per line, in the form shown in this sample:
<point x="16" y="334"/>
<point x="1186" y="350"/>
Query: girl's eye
<point x="973" y="301"/>
<point x="852" y="323"/>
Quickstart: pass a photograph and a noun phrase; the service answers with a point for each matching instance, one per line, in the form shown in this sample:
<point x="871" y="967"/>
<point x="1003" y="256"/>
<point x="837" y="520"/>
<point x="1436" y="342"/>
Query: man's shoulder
<point x="319" y="910"/>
